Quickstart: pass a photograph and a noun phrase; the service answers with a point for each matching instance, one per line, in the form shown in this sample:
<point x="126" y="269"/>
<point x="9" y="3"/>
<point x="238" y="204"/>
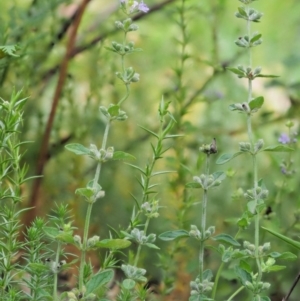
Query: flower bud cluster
<point x="207" y="181"/>
<point x="245" y="146"/>
<point x="101" y="155"/>
<point x="257" y="286"/>
<point x="196" y="233"/>
<point x="126" y="25"/>
<point x="262" y="250"/>
<point x="128" y="76"/>
<point x="140" y="237"/>
<point x="248" y="14"/>
<point x="198" y="288"/>
<point x="92" y="241"/>
<point x="121" y="115"/>
<point x="247" y="72"/>
<point x="256" y="193"/>
<point x="76" y="295"/>
<point x="258" y="145"/>
<point x="54" y="266"/>
<point x="133" y="272"/>
<point x="209" y="148"/>
<point x="123" y="49"/>
<point x="248" y="42"/>
<point x="151" y="209"/>
<point x="242" y="107"/>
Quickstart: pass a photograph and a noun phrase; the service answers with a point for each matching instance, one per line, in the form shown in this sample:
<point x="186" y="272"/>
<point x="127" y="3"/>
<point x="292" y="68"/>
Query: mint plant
<point x="252" y="279"/>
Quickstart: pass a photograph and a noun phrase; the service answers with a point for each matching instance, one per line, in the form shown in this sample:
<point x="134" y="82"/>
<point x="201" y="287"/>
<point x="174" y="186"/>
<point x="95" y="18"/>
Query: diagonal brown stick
<point x="292" y="288"/>
<point x="30" y="215"/>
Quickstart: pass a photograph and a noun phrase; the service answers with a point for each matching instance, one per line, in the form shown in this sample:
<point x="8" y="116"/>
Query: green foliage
<point x="152" y="194"/>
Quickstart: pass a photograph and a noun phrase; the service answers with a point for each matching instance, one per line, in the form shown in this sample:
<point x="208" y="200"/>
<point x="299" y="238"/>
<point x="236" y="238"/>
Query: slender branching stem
<point x="203" y="224"/>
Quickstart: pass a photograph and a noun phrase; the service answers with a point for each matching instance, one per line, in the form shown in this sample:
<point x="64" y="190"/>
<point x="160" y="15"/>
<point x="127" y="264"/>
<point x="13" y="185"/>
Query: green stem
<point x="255" y="178"/>
<point x="55" y="280"/>
<point x="203" y="225"/>
<point x="89" y="211"/>
<point x="235" y="293"/>
<point x="214" y="291"/>
<point x="136" y="260"/>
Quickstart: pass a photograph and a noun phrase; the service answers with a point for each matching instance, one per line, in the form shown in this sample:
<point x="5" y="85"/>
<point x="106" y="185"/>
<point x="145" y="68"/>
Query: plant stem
<point x="89" y="211"/>
<point x="136" y="260"/>
<point x="56" y="274"/>
<point x="203" y="224"/>
<point x="255" y="180"/>
<point x="235" y="293"/>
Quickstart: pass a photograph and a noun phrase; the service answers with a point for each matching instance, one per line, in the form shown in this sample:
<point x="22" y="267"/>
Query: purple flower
<point x="284" y="138"/>
<point x="131" y="6"/>
<point x="143" y="7"/>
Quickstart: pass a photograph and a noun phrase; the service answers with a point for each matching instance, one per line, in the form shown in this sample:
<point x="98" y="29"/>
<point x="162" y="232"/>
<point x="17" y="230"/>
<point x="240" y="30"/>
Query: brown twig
<point x="292" y="288"/>
<point x="45" y="139"/>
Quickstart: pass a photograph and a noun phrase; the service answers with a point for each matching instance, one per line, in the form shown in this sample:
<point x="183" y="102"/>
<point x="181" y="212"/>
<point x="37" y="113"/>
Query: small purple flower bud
<point x="143" y="7"/>
<point x="284" y="138"/>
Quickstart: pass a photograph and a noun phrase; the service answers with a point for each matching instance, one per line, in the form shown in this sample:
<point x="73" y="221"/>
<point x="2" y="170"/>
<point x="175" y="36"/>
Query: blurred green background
<point x="206" y="90"/>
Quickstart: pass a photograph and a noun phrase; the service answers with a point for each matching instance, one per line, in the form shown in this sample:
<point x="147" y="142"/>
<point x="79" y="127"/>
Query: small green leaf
<point x="98" y="280"/>
<point x="227" y="157"/>
<point x="113" y="243"/>
<point x="267" y="75"/>
<point x="149" y="131"/>
<point x="225" y="238"/>
<point x="242" y="11"/>
<point x="51" y="231"/>
<point x="152" y="246"/>
<point x="284" y="255"/>
<point x="275" y="268"/>
<point x="251" y="206"/>
<point x="286" y="239"/>
<point x="114" y="110"/>
<point x="85" y="192"/>
<point x="38" y="267"/>
<point x="193" y="185"/>
<point x="243" y="275"/>
<point x="219" y="175"/>
<point x="256" y="38"/>
<point x="65" y="237"/>
<point x="77" y="149"/>
<point x="8" y="50"/>
<point x="236" y="71"/>
<point x="245" y="266"/>
<point x="278" y="148"/>
<point x="256" y="103"/>
<point x="171" y="235"/>
<point x="118" y="155"/>
<point x="128" y="284"/>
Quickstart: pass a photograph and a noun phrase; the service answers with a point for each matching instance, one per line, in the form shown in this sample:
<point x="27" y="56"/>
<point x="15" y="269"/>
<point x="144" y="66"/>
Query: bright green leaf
<point x="77" y="149"/>
<point x="193" y="185"/>
<point x="114" y="110"/>
<point x="128" y="284"/>
<point x="98" y="280"/>
<point x="171" y="235"/>
<point x="278" y="148"/>
<point x="236" y="71"/>
<point x="227" y="157"/>
<point x="118" y="155"/>
<point x="225" y="238"/>
<point x="113" y="244"/>
<point x="286" y="239"/>
<point x="151" y="246"/>
<point x="256" y="103"/>
<point x="256" y="38"/>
